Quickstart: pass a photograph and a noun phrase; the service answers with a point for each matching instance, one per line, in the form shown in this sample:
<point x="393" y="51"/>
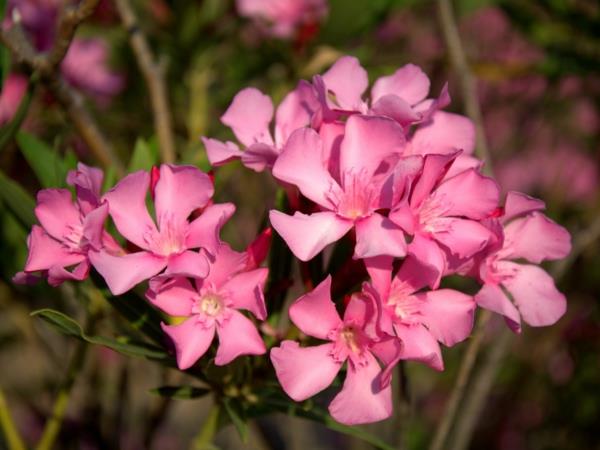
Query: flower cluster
<point x="392" y="174"/>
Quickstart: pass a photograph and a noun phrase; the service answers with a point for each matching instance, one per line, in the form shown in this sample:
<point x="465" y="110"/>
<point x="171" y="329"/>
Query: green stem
<point x="11" y="434"/>
<point x="54" y="423"/>
<point x="203" y="440"/>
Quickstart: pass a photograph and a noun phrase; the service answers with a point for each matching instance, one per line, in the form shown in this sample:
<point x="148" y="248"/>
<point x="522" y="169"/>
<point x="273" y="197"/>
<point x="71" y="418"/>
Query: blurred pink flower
<point x="306" y="371"/>
<point x="211" y="305"/>
<point x="12" y="93"/>
<point x="283" y="18"/>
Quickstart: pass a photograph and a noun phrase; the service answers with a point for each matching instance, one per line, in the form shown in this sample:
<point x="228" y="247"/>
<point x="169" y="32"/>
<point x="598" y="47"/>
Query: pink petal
<point x="380" y="271"/>
<point x="191" y="340"/>
<point x="535" y="294"/>
<point x="388" y="350"/>
<point x="462" y="237"/>
<point x="259" y="156"/>
<point x="469" y="194"/>
<point x="122" y="273"/>
<point x="307" y="235"/>
<point x="249" y="116"/>
<point x="535" y="238"/>
<point x="88" y="184"/>
<point x="425" y="264"/>
<point x="363" y="399"/>
<point x="56" y="212"/>
<point x="348" y="81"/>
<point x="127" y="207"/>
<point x="491" y="297"/>
<point x="462" y="163"/>
<point x="304" y="372"/>
<point x="314" y="313"/>
<point x="404" y="216"/>
<point x="188" y="264"/>
<point x="419" y="345"/>
<point x="46" y="252"/>
<point x="204" y="231"/>
<point x="305" y="149"/>
<point x="448" y="315"/>
<point x="237" y="336"/>
<point x="518" y="204"/>
<point x="434" y="170"/>
<point x="444" y="134"/>
<point x="226" y="264"/>
<point x="395" y="108"/>
<point x="93" y="226"/>
<point x="377" y="235"/>
<point x="295" y="111"/>
<point x="175" y="296"/>
<point x="58" y="275"/>
<point x="220" y="153"/>
<point x="409" y="83"/>
<point x="368" y="140"/>
<point x="179" y="191"/>
<point x="246" y="291"/>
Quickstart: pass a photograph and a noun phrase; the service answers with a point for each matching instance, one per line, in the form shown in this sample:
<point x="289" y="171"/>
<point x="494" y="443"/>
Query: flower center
<point x="349" y="342"/>
<point x="432" y="209"/>
<point x="211" y="305"/>
<point x="171" y="236"/>
<point x="406" y="308"/>
<point x="73" y="238"/>
<point x="358" y="198"/>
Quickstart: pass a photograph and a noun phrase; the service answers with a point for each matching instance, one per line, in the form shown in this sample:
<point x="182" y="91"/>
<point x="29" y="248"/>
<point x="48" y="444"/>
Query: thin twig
<point x="485" y="376"/>
<point x="155" y="79"/>
<point x="9" y="429"/>
<point x="467" y="364"/>
<point x="467" y="79"/>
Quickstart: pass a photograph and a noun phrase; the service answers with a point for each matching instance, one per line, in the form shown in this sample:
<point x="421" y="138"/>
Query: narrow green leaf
<point x="236" y="414"/>
<point x="47" y="165"/>
<point x="17" y="200"/>
<point x="122" y="344"/>
<point x="181" y="392"/>
<point x="8" y="131"/>
<point x="144" y="156"/>
<point x="140" y="315"/>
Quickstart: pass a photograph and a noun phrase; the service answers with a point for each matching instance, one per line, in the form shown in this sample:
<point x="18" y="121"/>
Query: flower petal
<point x="246" y="291"/>
<point x="305" y="149"/>
<point x="188" y="264"/>
<point x="518" y="204"/>
<point x="174" y="296"/>
<point x="249" y="116"/>
<point x="435" y="168"/>
<point x="304" y="372"/>
<point x="448" y="314"/>
<point x="491" y="297"/>
<point x="395" y="108"/>
<point x="348" y="80"/>
<point x="363" y="399"/>
<point x="204" y="231"/>
<point x="462" y="237"/>
<point x="307" y="235"/>
<point x="314" y="312"/>
<point x="121" y="273"/>
<point x="237" y="336"/>
<point x="444" y="134"/>
<point x="191" y="340"/>
<point x="535" y="294"/>
<point x="179" y="191"/>
<point x="409" y="83"/>
<point x="418" y="344"/>
<point x="425" y="264"/>
<point x="127" y="207"/>
<point x="295" y="111"/>
<point x="46" y="252"/>
<point x="220" y="153"/>
<point x="56" y="212"/>
<point x="377" y="235"/>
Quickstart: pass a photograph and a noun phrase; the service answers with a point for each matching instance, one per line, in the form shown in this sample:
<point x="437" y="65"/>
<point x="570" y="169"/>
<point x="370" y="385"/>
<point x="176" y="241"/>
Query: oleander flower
<point x="306" y="371"/>
<point x="211" y="306"/>
<point x="169" y="242"/>
<point x="524" y="233"/>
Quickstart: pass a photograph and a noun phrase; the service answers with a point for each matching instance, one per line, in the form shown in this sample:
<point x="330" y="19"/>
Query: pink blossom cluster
<point x="191" y="272"/>
<point x="391" y="173"/>
<point x="396" y="174"/>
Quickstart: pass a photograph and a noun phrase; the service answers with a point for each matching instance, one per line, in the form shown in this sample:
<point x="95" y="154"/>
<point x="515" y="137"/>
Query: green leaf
<point x="47" y="165"/>
<point x="8" y="131"/>
<point x="17" y="200"/>
<point x="140" y="315"/>
<point x="122" y="344"/>
<point x="236" y="414"/>
<point x="144" y="156"/>
<point x="181" y="392"/>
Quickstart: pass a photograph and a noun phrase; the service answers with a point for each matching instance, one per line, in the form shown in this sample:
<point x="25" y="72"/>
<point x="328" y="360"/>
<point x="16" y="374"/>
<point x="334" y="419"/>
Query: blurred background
<point x="537" y="67"/>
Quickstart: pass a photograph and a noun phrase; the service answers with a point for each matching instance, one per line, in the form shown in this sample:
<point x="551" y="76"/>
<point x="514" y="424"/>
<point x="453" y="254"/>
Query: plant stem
<point x="204" y="438"/>
<point x="9" y="429"/>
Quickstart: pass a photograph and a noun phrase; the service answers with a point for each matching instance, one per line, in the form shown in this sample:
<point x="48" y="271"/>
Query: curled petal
<point x="304" y="372"/>
<point x="246" y="291"/>
<point x="204" y="231"/>
<point x="491" y="297"/>
<point x="348" y="80"/>
<point x="259" y="156"/>
<point x="220" y="153"/>
<point x="409" y="83"/>
<point x="518" y="204"/>
<point x="249" y="116"/>
<point x="419" y="345"/>
<point x="174" y="296"/>
<point x="191" y="340"/>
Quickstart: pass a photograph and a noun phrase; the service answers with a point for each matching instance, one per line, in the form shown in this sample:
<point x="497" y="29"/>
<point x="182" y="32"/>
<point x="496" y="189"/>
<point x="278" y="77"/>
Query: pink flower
<point x="211" y="305"/>
<point x="12" y="93"/>
<point x="69" y="231"/>
<point x="249" y="116"/>
<point x="353" y="189"/>
<point x="306" y="371"/>
<point x="283" y="18"/>
<point x="168" y="242"/>
<point x="86" y="67"/>
<point x="527" y="234"/>
<point x="418" y="319"/>
<point x="444" y="214"/>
